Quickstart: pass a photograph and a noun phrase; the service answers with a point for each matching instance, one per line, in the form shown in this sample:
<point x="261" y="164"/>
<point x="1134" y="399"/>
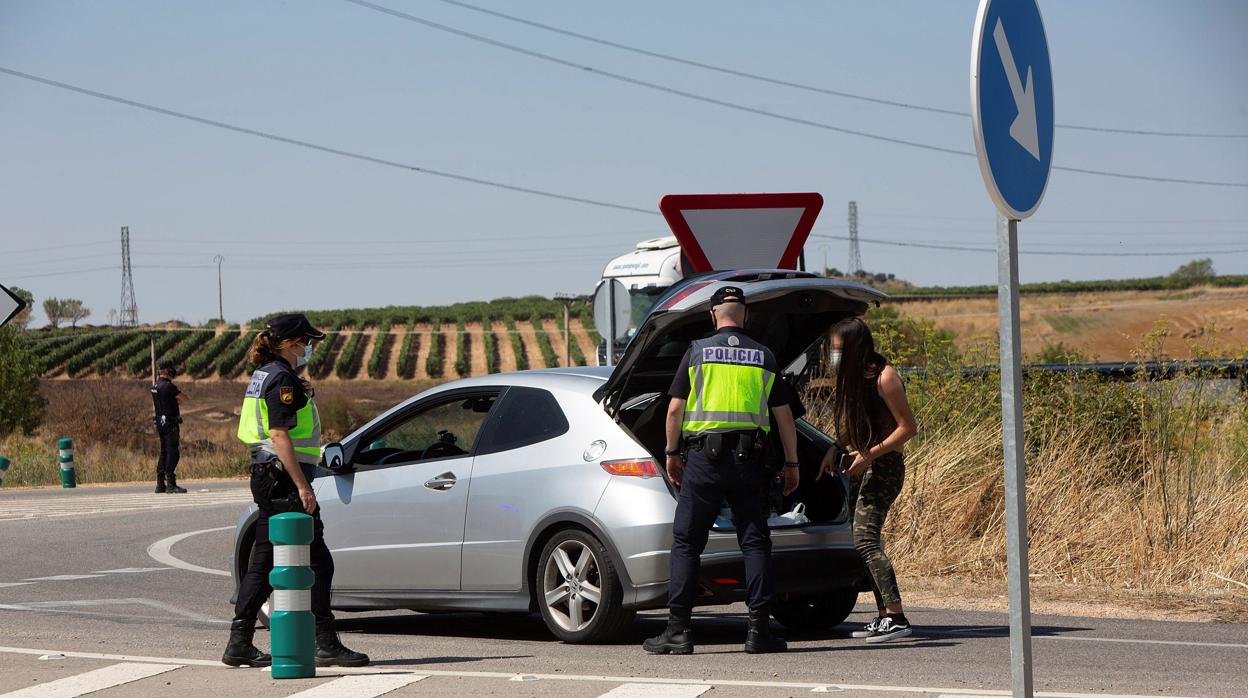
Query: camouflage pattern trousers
<point x="873" y="495"/>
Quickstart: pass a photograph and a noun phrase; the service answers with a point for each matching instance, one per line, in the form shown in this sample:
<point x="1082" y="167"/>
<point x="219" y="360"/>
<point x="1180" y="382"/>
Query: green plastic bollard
<point x="68" y="477"/>
<point x="292" y="629"/>
<point x="4" y="468"/>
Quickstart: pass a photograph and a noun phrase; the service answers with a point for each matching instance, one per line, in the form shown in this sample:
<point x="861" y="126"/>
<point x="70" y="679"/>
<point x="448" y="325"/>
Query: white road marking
<point x="14" y="584"/>
<point x="92" y="681"/>
<point x="62" y="577"/>
<point x="1086" y="638"/>
<point x="23" y="508"/>
<point x="131" y="570"/>
<point x="361" y="686"/>
<point x="651" y="690"/>
<point x="601" y="679"/>
<point x="160" y="551"/>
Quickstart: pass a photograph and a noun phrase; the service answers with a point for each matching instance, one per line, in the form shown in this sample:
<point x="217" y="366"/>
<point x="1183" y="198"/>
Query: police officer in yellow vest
<point x="721" y="408"/>
<point x="281" y="425"/>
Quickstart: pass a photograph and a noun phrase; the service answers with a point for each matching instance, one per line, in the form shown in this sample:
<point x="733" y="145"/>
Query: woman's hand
<point x="859" y="465"/>
<point x="308" y="497"/>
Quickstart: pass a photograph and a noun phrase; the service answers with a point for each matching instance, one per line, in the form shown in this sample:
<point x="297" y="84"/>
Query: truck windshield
<point x="643" y="300"/>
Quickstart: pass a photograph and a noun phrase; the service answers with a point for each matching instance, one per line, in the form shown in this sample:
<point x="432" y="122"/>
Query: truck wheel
<point x="819" y="612"/>
<point x="578" y="590"/>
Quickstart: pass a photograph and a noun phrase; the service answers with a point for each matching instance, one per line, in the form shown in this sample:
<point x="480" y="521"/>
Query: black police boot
<point x="240" y="651"/>
<point x="759" y="640"/>
<point x="160" y="486"/>
<point x="331" y="652"/>
<point x="173" y="487"/>
<point x="676" y="638"/>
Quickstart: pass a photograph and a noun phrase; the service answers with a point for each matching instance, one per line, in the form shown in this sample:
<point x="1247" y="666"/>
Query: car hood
<point x="789" y="313"/>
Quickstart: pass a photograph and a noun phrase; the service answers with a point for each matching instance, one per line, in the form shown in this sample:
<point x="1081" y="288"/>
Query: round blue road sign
<point x="1012" y="104"/>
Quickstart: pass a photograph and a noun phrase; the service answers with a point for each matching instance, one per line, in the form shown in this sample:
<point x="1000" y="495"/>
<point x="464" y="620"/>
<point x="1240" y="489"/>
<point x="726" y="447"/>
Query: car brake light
<point x="632" y="467"/>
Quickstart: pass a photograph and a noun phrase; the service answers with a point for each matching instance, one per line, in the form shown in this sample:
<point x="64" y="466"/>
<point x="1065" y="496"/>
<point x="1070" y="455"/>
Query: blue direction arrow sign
<point x="1012" y="104"/>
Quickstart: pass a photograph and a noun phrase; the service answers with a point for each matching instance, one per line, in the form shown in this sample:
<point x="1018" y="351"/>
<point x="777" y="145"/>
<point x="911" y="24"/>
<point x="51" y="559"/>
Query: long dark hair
<point x="264" y="349"/>
<point x="856" y="400"/>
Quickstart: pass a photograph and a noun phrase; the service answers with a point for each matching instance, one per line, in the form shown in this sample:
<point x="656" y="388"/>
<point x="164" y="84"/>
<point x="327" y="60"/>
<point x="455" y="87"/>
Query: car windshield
<point x="643" y="299"/>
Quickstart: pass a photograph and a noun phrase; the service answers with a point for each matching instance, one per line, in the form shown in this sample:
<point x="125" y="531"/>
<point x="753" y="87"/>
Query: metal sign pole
<point x="1015" y="468"/>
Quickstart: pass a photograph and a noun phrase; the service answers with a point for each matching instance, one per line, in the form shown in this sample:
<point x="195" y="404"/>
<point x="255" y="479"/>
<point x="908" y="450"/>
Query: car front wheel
<point x="818" y="612"/>
<point x="578" y="590"/>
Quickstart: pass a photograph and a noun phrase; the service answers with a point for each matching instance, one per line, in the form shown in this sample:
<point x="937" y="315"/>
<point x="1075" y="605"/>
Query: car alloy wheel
<point x="572" y="585"/>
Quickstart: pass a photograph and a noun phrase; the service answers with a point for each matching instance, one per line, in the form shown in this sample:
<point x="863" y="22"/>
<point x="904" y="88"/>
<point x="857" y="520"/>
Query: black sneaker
<point x="869" y="629"/>
<point x="889" y="629"/>
<point x="173" y="489"/>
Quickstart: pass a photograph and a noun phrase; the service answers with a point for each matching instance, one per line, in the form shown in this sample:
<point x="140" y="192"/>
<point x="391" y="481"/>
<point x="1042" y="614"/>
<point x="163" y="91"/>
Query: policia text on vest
<point x="722" y="401"/>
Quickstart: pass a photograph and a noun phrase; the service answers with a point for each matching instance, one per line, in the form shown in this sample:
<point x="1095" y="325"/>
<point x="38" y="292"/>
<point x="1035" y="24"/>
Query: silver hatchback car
<point x="543" y="490"/>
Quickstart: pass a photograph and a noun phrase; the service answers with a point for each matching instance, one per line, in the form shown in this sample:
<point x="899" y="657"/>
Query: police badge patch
<point x="287" y="394"/>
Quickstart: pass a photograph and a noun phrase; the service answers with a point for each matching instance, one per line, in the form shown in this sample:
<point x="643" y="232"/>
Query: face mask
<point x="835" y="360"/>
<point x="307" y="354"/>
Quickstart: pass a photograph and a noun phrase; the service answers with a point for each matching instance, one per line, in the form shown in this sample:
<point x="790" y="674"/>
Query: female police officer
<point x="280" y="423"/>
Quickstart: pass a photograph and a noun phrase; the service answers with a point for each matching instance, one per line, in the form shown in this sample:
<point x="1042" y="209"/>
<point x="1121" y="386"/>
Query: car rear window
<point x="524" y="417"/>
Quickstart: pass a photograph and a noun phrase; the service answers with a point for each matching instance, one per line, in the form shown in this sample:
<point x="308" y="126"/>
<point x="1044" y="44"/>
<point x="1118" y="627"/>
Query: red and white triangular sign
<point x="741" y="231"/>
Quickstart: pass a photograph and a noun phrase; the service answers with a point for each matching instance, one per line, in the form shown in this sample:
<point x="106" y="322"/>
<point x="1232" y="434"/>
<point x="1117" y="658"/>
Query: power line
<point x="322" y="148"/>
<point x="1047" y="253"/>
<point x="748" y="109"/>
<point x="799" y="85"/>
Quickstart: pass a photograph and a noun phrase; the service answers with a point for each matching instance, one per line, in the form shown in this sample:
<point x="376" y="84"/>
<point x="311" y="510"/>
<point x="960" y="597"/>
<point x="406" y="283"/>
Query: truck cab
<point x="649" y="270"/>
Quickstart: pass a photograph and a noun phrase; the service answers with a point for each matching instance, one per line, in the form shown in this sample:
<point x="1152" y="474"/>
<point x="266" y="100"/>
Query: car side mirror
<point x="333" y="458"/>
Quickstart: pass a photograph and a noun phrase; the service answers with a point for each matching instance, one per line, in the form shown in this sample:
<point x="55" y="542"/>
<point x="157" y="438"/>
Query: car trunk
<point x="790" y="312"/>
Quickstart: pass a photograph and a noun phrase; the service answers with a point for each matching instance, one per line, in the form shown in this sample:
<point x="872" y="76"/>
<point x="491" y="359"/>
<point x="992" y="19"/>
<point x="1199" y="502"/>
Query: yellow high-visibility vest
<point x="730" y="381"/>
<point x="253" y="422"/>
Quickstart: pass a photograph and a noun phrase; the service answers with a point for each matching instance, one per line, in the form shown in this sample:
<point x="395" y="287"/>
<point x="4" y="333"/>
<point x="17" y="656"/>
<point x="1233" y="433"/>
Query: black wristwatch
<point x="669" y="454"/>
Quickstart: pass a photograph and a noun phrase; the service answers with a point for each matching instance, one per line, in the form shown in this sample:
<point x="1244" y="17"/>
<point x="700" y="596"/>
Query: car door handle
<point x="442" y="482"/>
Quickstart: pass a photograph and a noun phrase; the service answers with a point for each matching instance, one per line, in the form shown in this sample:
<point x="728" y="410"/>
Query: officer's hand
<point x="791" y="478"/>
<point x="675" y="468"/>
<point x="308" y="497"/>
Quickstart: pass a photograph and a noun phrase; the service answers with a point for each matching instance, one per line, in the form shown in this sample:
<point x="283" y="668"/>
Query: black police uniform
<point x="274" y="493"/>
<point x="736" y="474"/>
<point x="168" y="417"/>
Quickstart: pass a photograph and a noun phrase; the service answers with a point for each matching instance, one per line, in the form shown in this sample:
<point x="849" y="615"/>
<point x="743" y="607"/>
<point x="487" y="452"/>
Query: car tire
<point x="578" y="590"/>
<point x="818" y="612"/>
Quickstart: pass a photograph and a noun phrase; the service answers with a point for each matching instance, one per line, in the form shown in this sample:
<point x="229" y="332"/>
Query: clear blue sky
<point x="73" y="169"/>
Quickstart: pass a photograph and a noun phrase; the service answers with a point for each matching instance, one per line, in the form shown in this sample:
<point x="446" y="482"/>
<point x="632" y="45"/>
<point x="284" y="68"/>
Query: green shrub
<point x="491" y="345"/>
<point x="463" y="350"/>
<point x="437" y="344"/>
<point x="348" y="363"/>
<point x="137" y="345"/>
<point x="517" y="345"/>
<point x="21" y="405"/>
<point x="408" y="351"/>
<point x="85" y="359"/>
<point x="380" y="356"/>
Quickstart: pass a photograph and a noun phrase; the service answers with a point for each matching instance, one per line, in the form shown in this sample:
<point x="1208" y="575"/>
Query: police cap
<point x="292" y="326"/>
<point x="727" y="294"/>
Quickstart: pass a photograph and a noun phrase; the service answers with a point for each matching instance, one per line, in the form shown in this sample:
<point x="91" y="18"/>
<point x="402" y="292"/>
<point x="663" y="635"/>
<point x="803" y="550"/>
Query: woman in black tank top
<point x="873" y="420"/>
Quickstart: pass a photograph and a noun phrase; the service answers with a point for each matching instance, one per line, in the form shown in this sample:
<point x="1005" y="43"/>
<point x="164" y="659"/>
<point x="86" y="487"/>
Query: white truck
<point x="646" y="272"/>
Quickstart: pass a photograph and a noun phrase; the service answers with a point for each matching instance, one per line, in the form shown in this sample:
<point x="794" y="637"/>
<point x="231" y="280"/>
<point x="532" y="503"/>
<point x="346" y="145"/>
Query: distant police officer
<point x="722" y="402"/>
<point x="280" y="423"/>
<point x="165" y="399"/>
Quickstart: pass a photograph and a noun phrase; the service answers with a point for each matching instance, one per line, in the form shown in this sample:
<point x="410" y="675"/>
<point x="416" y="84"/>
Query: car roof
<point x="582" y="379"/>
